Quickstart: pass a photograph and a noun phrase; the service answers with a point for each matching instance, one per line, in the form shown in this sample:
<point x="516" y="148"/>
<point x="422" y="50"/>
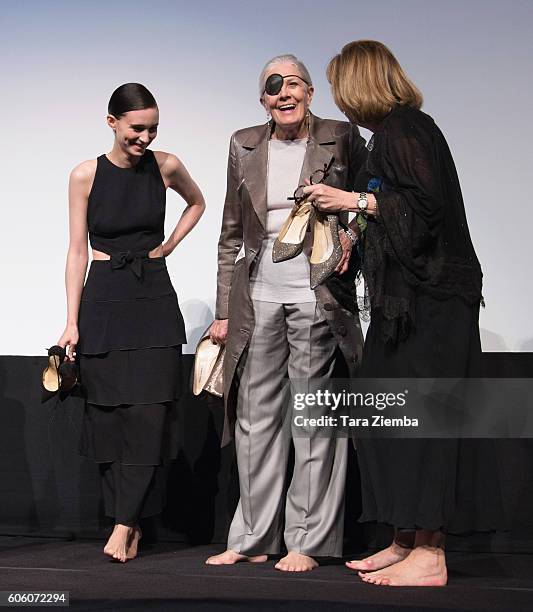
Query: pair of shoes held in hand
<point x="327" y="249"/>
<point x="59" y="376"/>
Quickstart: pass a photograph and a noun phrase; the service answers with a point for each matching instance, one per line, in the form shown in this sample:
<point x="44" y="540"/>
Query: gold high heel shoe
<point x="289" y="242"/>
<point x="51" y="379"/>
<point x="208" y="373"/>
<point x="327" y="248"/>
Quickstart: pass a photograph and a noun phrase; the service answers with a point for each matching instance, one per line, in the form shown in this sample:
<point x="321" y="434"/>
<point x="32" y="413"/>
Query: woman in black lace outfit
<point x="424" y="286"/>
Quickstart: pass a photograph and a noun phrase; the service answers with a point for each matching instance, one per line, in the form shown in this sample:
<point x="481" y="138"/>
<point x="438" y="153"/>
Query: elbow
<point x="197" y="206"/>
<point x="78" y="255"/>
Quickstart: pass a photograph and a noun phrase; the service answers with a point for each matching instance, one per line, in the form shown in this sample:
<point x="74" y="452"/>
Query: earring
<point x="269" y="125"/>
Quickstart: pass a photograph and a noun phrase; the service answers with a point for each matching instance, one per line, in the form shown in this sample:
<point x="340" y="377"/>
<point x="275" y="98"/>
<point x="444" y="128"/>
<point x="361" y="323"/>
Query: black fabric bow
<point x="129" y="258"/>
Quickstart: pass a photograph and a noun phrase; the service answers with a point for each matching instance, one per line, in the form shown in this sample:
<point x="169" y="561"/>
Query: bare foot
<point x="296" y="562"/>
<point x="425" y="566"/>
<point x="389" y="556"/>
<point x="133" y="542"/>
<point x="229" y="557"/>
<point x="117" y="545"/>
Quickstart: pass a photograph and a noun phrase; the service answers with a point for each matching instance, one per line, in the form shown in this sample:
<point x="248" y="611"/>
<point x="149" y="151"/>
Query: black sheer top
<point x="420" y="240"/>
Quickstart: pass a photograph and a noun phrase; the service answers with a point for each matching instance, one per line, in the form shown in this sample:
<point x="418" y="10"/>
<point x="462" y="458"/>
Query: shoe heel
<point x="327" y="248"/>
<point x="68" y="376"/>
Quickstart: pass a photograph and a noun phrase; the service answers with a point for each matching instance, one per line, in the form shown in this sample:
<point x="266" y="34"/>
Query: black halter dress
<point x="131" y="328"/>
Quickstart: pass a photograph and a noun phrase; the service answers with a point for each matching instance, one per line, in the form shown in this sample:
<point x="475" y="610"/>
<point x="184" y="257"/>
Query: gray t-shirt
<point x="286" y="282"/>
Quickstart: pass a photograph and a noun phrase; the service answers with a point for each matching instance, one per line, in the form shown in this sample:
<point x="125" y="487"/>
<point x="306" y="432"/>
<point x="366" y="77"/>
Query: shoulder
<point x="82" y="175"/>
<point x="333" y="127"/>
<point x="406" y="131"/>
<point x="84" y="172"/>
<point x="168" y="162"/>
<point x="249" y="136"/>
<point x="409" y="121"/>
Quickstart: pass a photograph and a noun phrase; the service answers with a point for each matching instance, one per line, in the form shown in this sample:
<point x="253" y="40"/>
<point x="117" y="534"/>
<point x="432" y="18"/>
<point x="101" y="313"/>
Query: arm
<point x="411" y="207"/>
<point x="412" y="177"/>
<point x="334" y="200"/>
<point x="176" y="177"/>
<point x="231" y="235"/>
<point x="229" y="245"/>
<point x="81" y="179"/>
<point x="357" y="162"/>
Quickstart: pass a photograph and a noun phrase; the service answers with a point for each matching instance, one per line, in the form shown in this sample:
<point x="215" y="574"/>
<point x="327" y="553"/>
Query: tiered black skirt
<point x="129" y="352"/>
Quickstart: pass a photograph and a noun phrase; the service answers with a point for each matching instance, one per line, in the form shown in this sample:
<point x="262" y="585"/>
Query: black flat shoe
<point x="51" y="380"/>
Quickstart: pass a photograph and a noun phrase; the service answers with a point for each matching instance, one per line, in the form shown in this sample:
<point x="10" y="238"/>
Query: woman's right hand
<point x="69" y="340"/>
<point x="219" y="331"/>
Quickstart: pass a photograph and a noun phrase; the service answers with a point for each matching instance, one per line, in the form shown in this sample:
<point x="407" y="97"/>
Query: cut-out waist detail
<point x="153" y="253"/>
<point x="130" y="259"/>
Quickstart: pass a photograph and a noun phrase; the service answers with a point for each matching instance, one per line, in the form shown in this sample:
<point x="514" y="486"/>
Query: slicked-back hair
<point x="128" y="97"/>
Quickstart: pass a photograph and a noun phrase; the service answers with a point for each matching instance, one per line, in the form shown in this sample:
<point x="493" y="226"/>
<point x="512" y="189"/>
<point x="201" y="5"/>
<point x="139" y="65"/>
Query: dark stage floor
<point x="172" y="577"/>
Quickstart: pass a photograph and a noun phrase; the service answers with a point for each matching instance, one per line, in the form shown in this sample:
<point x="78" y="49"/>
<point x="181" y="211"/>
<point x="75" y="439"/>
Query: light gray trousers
<point x="293" y="340"/>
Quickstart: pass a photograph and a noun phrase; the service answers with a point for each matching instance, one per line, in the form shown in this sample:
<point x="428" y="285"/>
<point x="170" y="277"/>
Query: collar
<point x="321" y="132"/>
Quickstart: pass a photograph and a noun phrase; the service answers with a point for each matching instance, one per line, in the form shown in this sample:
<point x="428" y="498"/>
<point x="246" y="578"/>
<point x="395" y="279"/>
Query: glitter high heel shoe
<point x="327" y="248"/>
<point x="289" y="242"/>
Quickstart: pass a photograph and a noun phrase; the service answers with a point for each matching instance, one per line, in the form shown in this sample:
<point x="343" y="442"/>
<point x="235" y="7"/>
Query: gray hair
<point x="287" y="58"/>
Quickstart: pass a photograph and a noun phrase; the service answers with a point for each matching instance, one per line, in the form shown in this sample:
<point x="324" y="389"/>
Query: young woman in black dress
<point x="424" y="285"/>
<point x="124" y="325"/>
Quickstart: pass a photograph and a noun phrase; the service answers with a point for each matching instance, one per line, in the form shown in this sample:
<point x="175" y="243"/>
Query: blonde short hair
<point x="367" y="82"/>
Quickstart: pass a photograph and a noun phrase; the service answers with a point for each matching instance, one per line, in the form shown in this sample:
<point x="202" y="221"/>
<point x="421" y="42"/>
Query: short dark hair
<point x="128" y="97"/>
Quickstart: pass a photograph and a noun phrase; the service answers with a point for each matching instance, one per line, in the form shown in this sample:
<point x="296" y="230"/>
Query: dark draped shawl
<point x="420" y="240"/>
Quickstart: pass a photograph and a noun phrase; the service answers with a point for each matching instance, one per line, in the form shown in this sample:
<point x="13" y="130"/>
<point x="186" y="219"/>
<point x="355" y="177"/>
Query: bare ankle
<point x="405" y="538"/>
<point x="434" y="539"/>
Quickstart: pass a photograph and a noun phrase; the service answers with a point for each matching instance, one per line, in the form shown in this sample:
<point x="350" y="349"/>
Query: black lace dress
<point x="424" y="289"/>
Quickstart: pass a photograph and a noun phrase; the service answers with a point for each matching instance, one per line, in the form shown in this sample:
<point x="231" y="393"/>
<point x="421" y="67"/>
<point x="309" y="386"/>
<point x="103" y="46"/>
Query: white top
<point x="286" y="282"/>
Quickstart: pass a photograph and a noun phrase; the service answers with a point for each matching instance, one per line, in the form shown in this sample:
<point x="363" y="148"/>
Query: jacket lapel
<point x="317" y="154"/>
<point x="255" y="163"/>
<point x="255" y="168"/>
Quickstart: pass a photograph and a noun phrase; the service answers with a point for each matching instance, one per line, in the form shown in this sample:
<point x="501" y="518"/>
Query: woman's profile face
<point x="135" y="130"/>
<point x="290" y="106"/>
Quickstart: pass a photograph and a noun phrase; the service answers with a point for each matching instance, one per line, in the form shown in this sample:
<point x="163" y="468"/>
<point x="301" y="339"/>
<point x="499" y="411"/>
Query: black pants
<point x="132" y="492"/>
<point x="129" y="444"/>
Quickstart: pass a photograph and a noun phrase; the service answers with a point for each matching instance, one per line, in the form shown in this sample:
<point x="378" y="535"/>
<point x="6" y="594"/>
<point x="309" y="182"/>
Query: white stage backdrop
<point x="60" y="61"/>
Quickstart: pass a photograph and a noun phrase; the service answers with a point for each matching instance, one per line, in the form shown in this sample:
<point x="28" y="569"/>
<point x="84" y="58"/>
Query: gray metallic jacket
<point x="243" y="226"/>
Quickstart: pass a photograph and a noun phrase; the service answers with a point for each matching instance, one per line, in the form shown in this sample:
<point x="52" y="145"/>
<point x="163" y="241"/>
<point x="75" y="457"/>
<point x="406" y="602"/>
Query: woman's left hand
<point x="347" y="247"/>
<point x="330" y="199"/>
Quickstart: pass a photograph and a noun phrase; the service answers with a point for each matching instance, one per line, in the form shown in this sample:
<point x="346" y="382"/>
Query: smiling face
<point x="289" y="107"/>
<point x="135" y="130"/>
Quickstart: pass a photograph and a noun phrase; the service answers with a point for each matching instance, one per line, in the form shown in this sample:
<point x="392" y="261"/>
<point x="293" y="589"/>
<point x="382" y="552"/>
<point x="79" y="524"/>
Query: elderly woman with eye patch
<point x="286" y="308"/>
